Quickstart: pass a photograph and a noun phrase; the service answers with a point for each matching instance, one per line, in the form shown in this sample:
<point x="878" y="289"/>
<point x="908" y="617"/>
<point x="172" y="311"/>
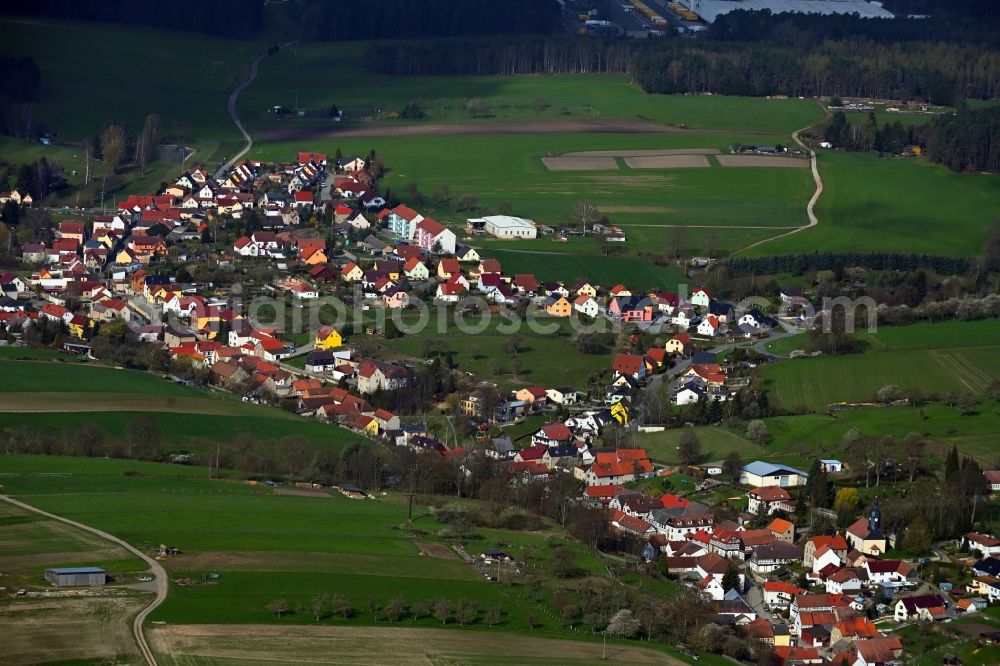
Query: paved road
<point x="159" y="574"/>
<point x="234" y="96"/>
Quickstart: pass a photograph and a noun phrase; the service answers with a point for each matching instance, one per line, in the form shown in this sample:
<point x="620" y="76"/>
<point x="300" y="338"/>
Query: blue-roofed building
<point x="761" y="474"/>
<point x="67" y="576"/>
<point x="832" y="465"/>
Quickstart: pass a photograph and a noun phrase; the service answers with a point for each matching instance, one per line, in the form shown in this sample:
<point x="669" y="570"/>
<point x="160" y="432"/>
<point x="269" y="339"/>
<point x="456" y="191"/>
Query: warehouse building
<point x="710" y="9"/>
<point x="505" y="226"/>
<point x="67" y="576"/>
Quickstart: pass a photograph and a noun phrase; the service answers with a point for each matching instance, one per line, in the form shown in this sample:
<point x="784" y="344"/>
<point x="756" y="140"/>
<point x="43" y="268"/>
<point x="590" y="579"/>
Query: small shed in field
<point x="67" y="576"/>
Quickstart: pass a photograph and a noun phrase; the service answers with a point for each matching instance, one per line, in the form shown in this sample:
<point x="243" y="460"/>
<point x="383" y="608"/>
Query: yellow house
<point x="352" y="272"/>
<point x="327" y="337"/>
<point x="586" y="289"/>
<point x="78" y="324"/>
<point x="317" y="256"/>
<point x="619" y="411"/>
<point x="559" y="308"/>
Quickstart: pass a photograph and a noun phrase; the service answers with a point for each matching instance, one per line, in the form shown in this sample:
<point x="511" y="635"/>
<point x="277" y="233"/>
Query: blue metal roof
<point x="76" y="570"/>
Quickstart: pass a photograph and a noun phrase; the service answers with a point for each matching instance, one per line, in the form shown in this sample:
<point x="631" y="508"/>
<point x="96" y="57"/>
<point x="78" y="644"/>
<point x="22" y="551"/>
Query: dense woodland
<point x="226" y="18"/>
<point x="967" y="141"/>
<point x="555" y="55"/>
<point x="400" y="19"/>
<point x="939" y="73"/>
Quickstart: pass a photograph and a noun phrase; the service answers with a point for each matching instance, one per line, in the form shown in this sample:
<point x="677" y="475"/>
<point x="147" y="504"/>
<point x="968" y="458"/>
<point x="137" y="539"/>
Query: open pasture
<point x="103" y="73"/>
<point x="350" y="646"/>
<point x="895" y="205"/>
<point x="266" y="546"/>
<point x="315" y="76"/>
<point x="934" y="358"/>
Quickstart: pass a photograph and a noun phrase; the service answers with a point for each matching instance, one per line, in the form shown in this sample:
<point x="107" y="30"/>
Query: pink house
<point x="431" y="235"/>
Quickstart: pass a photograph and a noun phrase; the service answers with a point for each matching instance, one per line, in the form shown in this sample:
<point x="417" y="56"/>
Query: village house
<point x="770" y="499"/>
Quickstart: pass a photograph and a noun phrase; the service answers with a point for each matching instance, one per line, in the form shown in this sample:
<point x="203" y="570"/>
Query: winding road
<point x="234" y="97"/>
<point x="159" y="573"/>
<point x="811" y="206"/>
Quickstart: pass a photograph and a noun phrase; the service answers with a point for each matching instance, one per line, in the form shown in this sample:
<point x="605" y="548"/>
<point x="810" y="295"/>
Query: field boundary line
<point x="159" y="573"/>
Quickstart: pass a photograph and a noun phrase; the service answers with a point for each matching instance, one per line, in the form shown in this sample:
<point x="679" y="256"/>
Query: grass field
<point x="896" y="205"/>
<point x="935" y="358"/>
<point x="103" y="73"/>
<point x="715" y="443"/>
<point x="188" y="419"/>
<point x="266" y="546"/>
<point x="546" y="360"/>
<point x="508" y="169"/>
<point x="318" y="75"/>
<point x="201" y="645"/>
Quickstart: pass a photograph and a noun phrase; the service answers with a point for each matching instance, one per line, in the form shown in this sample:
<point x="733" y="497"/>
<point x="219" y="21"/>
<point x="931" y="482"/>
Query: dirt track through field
<point x="116" y="402"/>
<point x="461" y="128"/>
<point x="964" y="371"/>
<point x="375" y="646"/>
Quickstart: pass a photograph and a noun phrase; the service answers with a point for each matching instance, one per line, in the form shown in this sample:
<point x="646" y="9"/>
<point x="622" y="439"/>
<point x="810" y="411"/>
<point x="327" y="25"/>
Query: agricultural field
<point x="545" y="360"/>
<point x="895" y="205"/>
<point x="37" y="629"/>
<point x="188" y="419"/>
<point x="646" y="203"/>
<point x="315" y="76"/>
<point x="128" y="73"/>
<point x="935" y="358"/>
<point x="263" y="543"/>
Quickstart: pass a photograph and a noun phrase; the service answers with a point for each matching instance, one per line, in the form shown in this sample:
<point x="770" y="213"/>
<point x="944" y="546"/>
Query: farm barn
<point x="62" y="577"/>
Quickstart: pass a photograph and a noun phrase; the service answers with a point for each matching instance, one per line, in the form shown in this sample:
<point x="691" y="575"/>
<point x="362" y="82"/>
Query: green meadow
<point x="896" y="205"/>
<point x="315" y="76"/>
<point x="92" y="74"/>
<point x="264" y="545"/>
<point x="934" y="358"/>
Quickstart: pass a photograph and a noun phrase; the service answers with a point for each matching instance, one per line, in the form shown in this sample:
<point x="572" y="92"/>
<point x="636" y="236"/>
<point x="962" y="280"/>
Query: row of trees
<point x="928" y="71"/>
<point x="556" y="55"/>
<point x="798" y="264"/>
<point x="322" y="606"/>
<point x="890" y="138"/>
<point x="428" y="18"/>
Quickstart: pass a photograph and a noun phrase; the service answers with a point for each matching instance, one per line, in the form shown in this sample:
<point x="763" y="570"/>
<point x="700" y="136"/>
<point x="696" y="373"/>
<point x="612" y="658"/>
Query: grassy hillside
<point x="265" y="545"/>
<point x="896" y="205"/>
<point x="314" y="76"/>
<point x="93" y="73"/>
<point x="935" y="358"/>
<point x="508" y="169"/>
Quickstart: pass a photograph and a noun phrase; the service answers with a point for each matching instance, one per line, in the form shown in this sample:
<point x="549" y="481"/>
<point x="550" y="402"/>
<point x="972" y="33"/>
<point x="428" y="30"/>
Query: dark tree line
<point x="826" y="261"/>
<point x="557" y="55"/>
<point x="227" y="18"/>
<point x="396" y="19"/>
<point x="935" y="72"/>
<point x="972" y="22"/>
<point x="966" y="141"/>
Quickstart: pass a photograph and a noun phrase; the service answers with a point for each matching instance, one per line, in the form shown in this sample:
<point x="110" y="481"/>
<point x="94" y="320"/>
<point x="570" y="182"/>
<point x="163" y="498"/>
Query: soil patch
<point x="115" y="402"/>
<point x="580" y="126"/>
<point x="644" y="153"/>
<point x="61" y="629"/>
<point x="301" y="492"/>
<point x="580" y="163"/>
<point x="437" y="550"/>
<point x="364" y="646"/>
<point x="666" y="161"/>
<point x="762" y="161"/>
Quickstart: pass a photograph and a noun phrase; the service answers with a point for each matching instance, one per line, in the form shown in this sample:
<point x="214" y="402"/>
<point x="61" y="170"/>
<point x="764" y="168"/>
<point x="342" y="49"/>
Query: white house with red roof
<point x="553" y="434"/>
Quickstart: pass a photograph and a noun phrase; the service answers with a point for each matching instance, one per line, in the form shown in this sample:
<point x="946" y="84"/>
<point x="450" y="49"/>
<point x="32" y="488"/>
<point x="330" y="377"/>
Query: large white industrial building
<point x="506" y="226"/>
